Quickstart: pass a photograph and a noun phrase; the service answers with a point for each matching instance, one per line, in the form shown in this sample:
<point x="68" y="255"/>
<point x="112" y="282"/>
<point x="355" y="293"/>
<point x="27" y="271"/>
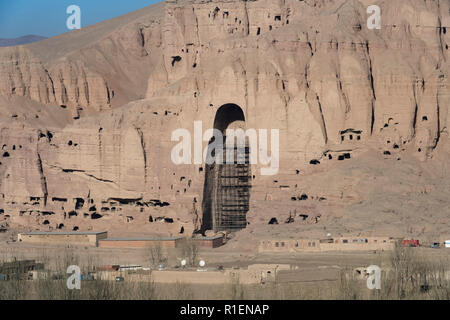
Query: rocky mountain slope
<point x="363" y="115"/>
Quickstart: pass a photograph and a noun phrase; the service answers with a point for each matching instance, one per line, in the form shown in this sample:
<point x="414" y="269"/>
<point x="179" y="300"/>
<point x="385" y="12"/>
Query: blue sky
<point x="48" y="17"/>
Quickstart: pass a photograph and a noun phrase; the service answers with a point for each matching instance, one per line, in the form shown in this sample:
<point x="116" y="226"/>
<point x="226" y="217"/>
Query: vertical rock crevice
<point x="43" y="178"/>
<point x="324" y="126"/>
<point x="372" y="86"/>
<point x="144" y="152"/>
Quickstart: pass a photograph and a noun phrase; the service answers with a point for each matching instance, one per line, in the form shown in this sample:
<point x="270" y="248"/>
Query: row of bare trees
<point x="406" y="275"/>
<point x="188" y="251"/>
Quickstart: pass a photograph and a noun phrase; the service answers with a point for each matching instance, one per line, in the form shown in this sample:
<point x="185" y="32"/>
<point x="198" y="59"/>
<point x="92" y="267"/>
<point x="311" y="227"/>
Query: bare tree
<point x="189" y="251"/>
<point x="157" y="255"/>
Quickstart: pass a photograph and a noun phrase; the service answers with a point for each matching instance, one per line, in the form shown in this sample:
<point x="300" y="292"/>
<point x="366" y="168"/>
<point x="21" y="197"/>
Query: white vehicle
<point x="447" y="243"/>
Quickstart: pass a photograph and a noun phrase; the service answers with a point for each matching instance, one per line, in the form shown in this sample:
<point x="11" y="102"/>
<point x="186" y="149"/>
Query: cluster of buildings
<point x="101" y="240"/>
<point x="340" y="244"/>
<point x="330" y="244"/>
<point x="22" y="269"/>
<point x="253" y="274"/>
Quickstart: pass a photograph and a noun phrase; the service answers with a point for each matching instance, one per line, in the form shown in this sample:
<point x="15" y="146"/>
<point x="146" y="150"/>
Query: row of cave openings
<point x="6" y="152"/>
<point x="277" y="19"/>
<point x="226" y="15"/>
<point x="91" y="211"/>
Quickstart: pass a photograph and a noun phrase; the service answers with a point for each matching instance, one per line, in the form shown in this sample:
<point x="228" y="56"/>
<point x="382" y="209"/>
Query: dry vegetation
<point x="406" y="275"/>
<point x="188" y="251"/>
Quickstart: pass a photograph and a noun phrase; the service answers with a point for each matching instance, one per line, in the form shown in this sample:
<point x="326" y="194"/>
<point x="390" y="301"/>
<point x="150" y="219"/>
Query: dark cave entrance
<point x="226" y="192"/>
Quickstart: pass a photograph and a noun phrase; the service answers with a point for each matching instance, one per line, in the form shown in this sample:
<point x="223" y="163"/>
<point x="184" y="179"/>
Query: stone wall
<point x="139" y="243"/>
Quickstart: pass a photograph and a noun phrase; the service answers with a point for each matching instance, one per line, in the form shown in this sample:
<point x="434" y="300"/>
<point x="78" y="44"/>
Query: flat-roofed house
<point x="209" y="242"/>
<point x="73" y="238"/>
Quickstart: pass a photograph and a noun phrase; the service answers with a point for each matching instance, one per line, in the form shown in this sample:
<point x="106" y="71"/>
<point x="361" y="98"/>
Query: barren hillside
<point x="363" y="115"/>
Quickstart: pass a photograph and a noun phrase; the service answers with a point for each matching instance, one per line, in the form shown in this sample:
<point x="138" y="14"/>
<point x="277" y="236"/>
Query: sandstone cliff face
<point x="92" y="70"/>
<point x="312" y="69"/>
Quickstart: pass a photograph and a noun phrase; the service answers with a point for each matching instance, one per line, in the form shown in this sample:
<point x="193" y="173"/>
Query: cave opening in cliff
<point x="226" y="191"/>
<point x="175" y="59"/>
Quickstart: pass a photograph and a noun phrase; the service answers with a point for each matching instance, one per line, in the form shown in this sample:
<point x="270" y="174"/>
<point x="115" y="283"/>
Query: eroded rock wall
<point x="311" y="69"/>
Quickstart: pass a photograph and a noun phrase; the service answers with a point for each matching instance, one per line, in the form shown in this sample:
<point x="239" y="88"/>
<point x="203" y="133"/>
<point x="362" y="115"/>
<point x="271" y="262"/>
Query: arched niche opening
<point x="226" y="191"/>
<point x="229" y="116"/>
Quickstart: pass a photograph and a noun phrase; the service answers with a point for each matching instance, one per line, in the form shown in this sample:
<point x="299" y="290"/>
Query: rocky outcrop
<point x="95" y="73"/>
<point x="312" y="69"/>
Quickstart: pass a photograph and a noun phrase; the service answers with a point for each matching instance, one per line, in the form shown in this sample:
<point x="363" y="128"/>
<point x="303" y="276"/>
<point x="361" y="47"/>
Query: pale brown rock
<point x="109" y="96"/>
